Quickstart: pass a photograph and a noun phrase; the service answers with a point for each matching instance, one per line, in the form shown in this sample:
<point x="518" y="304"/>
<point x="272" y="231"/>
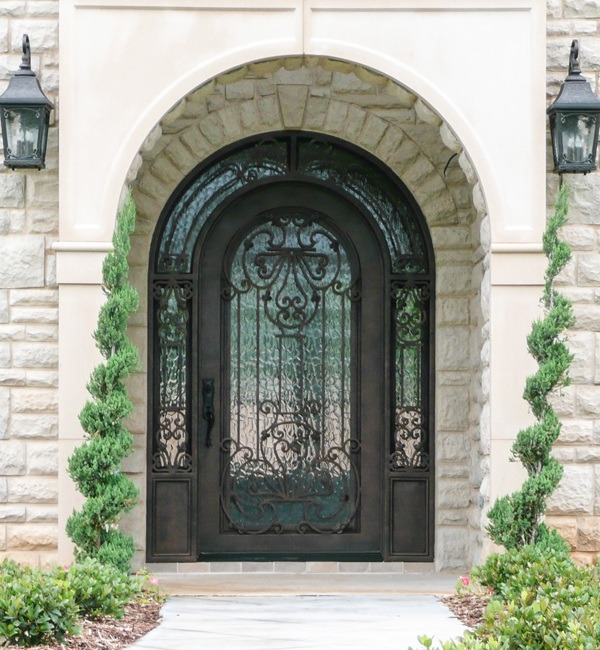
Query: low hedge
<point x="542" y="600"/>
<point x="38" y="607"/>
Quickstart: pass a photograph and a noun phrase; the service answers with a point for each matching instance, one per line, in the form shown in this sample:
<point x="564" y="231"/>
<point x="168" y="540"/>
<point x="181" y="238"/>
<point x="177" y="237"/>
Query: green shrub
<point x="510" y="572"/>
<point x="468" y="643"/>
<point x="42" y="607"/>
<point x="99" y="589"/>
<point x="543" y="601"/>
<point x="9" y="568"/>
<point x="35" y="607"/>
<point x="549" y="603"/>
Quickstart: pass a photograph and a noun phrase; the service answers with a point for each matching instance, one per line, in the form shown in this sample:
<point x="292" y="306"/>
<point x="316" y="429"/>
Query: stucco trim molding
<point x="80" y="262"/>
<point x="82" y="246"/>
<point x="518" y="268"/>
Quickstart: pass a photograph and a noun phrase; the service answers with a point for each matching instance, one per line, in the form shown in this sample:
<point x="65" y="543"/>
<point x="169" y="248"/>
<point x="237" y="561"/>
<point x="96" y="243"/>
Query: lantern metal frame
<point x="576" y="103"/>
<point x="24" y="96"/>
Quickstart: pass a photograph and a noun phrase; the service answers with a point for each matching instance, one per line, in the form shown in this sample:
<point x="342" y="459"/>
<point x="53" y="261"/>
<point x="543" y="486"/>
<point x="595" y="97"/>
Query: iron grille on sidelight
<point x="410" y="277"/>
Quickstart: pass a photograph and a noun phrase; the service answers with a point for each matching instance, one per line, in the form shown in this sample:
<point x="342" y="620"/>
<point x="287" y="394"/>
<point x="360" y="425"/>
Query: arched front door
<point x="291" y="360"/>
<point x="290" y="279"/>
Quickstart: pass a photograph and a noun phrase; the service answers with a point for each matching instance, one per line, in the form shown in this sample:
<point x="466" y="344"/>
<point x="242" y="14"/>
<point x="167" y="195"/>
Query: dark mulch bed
<point x="468" y="609"/>
<point x="108" y="633"/>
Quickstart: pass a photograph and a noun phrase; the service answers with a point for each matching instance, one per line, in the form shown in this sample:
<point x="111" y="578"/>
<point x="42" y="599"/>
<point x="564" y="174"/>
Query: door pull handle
<point x="208" y="409"/>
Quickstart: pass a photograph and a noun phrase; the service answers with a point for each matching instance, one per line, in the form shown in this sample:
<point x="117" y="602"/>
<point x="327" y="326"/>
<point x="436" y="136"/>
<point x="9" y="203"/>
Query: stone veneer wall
<point x="353" y="103"/>
<point x="28" y="309"/>
<point x="575" y="508"/>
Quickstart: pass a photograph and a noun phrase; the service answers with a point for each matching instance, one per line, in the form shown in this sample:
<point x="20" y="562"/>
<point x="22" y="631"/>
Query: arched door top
<point x="287" y="155"/>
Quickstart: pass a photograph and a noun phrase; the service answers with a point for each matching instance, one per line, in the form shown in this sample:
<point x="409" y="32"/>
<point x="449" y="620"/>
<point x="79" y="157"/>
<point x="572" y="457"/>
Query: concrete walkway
<point x="356" y="617"/>
<point x="295" y="622"/>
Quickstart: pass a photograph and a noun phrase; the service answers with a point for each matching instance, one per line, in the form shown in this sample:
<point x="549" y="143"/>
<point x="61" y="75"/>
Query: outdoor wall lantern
<point x="574" y="119"/>
<point x="24" y="117"/>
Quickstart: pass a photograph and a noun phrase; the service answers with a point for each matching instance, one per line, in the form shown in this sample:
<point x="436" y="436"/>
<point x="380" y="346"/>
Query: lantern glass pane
<point x="576" y="134"/>
<point x="22" y="132"/>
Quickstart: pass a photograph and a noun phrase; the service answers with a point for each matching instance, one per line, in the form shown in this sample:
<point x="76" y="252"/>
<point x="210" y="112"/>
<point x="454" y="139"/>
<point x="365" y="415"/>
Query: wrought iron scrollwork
<point x="320" y="159"/>
<point x="411" y="308"/>
<point x="173" y="262"/>
<point x="291" y="260"/>
<point x="171" y="441"/>
<point x="264" y="159"/>
<point x="290" y="483"/>
<point x="256" y="163"/>
<point x="410" y="440"/>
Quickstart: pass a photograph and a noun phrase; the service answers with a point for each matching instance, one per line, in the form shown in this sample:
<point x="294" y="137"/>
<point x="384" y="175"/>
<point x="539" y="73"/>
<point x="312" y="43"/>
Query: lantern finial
<point x="25" y="67"/>
<point x="574" y="58"/>
<point x="26" y="60"/>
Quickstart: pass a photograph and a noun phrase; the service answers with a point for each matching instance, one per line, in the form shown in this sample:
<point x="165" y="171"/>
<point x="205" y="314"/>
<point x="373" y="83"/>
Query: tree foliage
<point x="95" y="466"/>
<point x="516" y="519"/>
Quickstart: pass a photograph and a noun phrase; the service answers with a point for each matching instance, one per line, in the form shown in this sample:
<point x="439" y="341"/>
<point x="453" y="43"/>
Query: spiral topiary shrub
<point x="516" y="520"/>
<point x="95" y="466"/>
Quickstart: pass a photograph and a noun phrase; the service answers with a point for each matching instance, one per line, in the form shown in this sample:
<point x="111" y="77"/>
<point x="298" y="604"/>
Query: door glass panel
<point x="291" y="459"/>
<point x="410" y="303"/>
<point x="265" y="159"/>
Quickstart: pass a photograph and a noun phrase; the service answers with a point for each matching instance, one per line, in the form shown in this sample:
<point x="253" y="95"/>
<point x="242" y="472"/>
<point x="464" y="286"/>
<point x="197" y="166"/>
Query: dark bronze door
<point x="291" y="359"/>
<point x="290" y="377"/>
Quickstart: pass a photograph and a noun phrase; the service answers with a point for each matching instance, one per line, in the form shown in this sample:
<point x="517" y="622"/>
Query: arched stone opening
<point x="355" y="104"/>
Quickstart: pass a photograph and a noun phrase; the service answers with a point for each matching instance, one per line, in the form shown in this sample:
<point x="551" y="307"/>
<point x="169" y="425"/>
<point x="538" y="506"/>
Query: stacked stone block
<point x="29" y="310"/>
<point x="575" y="508"/>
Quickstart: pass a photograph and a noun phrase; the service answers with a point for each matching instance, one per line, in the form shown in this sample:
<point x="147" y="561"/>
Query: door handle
<point x="208" y="409"/>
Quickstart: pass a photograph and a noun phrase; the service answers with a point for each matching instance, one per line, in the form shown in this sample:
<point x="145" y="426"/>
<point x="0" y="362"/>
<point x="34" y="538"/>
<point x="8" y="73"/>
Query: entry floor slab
<point x="305" y="584"/>
<point x="379" y="622"/>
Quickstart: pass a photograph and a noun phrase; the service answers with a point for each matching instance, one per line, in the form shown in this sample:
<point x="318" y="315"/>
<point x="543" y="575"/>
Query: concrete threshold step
<point x="330" y="584"/>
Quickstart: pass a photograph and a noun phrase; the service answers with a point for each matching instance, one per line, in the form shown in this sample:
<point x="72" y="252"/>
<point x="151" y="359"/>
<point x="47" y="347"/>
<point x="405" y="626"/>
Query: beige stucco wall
<point x="390" y="38"/>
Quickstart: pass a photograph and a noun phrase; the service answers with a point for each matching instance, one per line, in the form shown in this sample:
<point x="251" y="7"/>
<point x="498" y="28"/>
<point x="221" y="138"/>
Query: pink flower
<point x="153" y="580"/>
<point x="465" y="581"/>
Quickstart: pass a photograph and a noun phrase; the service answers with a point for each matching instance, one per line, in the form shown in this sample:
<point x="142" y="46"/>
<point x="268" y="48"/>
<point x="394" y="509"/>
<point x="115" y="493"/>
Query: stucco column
<point x="79" y="275"/>
<point x="517" y="272"/>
